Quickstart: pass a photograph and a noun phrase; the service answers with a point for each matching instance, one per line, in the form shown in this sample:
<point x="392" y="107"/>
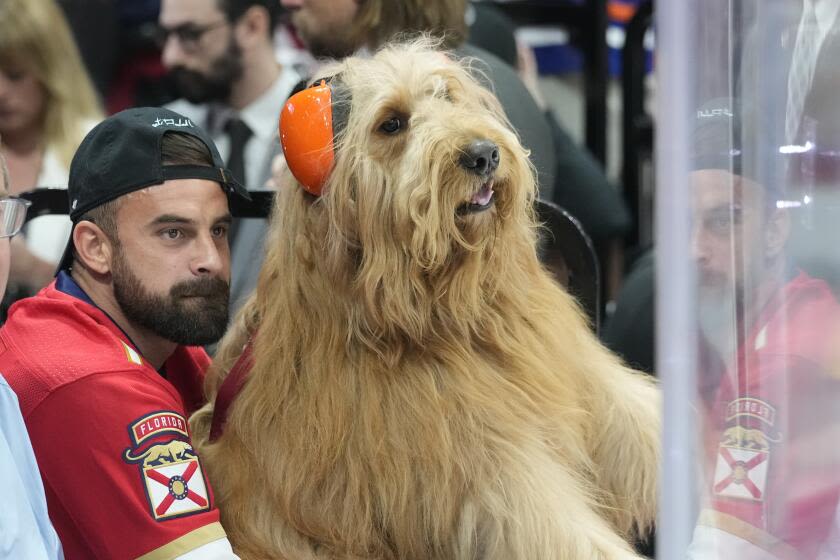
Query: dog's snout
<point x="480" y="157"/>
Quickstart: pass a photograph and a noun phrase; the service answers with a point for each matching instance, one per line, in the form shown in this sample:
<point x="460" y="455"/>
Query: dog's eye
<point x="392" y="125"/>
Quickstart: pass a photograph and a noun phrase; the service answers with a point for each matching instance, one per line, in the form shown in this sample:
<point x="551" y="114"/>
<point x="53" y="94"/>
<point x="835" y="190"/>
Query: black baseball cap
<point x="716" y="137"/>
<point x="732" y="135"/>
<point x="122" y="154"/>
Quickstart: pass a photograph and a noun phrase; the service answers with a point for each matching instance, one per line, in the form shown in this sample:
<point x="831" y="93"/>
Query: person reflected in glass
<point x="771" y="475"/>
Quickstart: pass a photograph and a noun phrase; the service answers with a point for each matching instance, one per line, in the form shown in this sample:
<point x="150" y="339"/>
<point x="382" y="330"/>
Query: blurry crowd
<point x="229" y="65"/>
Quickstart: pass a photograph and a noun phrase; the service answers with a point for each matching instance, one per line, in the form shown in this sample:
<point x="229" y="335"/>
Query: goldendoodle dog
<point x="417" y="386"/>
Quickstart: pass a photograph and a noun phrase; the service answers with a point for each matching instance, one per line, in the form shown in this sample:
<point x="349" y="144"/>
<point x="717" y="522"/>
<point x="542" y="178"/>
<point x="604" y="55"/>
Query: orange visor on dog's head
<point x="307" y="133"/>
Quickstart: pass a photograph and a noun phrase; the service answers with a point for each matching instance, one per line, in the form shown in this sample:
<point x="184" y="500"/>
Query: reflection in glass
<point x="766" y="393"/>
<point x="764" y="184"/>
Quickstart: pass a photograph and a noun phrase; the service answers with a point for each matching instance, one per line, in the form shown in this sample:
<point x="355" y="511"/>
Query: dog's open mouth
<point x="481" y="200"/>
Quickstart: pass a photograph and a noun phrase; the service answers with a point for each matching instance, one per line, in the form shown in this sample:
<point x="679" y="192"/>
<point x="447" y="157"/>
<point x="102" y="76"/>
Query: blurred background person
<point x="767" y="396"/>
<point x="47" y="105"/>
<point x="812" y="80"/>
<point x="25" y="527"/>
<point x="220" y="55"/>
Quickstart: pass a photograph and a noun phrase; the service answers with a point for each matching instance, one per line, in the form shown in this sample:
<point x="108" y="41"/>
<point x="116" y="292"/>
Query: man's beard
<point x="216" y="85"/>
<point x="718" y="321"/>
<point x="194" y="313"/>
<point x="329" y="43"/>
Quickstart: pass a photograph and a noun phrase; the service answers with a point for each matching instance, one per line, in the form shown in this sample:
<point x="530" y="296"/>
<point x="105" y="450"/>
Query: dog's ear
<point x="309" y="123"/>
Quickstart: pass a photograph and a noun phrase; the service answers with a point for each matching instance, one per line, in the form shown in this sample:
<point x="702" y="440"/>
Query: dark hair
<point x="184" y="149"/>
<point x="233" y="10"/>
<point x="176" y="149"/>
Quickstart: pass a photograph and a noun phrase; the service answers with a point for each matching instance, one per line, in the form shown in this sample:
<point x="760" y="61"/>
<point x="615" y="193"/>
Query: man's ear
<point x="93" y="247"/>
<point x="253" y="27"/>
<point x="776" y="233"/>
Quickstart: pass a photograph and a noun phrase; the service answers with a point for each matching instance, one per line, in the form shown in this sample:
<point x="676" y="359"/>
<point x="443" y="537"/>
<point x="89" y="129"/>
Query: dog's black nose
<point x="480" y="157"/>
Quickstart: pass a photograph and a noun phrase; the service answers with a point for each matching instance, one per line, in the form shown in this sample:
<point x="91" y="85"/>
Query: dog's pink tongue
<point x="483" y="195"/>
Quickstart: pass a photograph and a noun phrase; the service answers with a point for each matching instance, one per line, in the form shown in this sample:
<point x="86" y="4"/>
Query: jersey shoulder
<point x="48" y="342"/>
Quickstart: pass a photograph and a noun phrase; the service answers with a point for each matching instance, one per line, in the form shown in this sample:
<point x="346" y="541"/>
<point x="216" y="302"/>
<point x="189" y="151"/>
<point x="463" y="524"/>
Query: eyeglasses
<point x="12" y="215"/>
<point x="188" y="34"/>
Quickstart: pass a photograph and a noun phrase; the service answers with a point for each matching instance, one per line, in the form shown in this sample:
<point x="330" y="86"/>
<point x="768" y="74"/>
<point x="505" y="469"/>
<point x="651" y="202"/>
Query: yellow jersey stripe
<point x="132" y="355"/>
<point x="186" y="543"/>
<point x="744" y="530"/>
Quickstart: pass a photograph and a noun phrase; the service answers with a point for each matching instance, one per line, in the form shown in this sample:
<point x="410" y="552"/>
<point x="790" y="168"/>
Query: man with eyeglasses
<point x="107" y="361"/>
<point x="25" y="528"/>
<point x="771" y="469"/>
<point x="221" y="56"/>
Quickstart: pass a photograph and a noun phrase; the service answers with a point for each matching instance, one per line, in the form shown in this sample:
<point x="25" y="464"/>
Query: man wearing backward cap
<point x="107" y="360"/>
<point x="772" y="472"/>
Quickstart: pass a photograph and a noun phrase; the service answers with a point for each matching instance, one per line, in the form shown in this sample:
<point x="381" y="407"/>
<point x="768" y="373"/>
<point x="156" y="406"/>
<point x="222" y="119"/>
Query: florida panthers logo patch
<point x="170" y="469"/>
<point x="745" y="450"/>
<point x="741" y="473"/>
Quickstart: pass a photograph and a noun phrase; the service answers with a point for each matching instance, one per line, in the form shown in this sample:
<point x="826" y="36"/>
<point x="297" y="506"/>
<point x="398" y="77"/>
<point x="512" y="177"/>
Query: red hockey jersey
<point x="774" y="472"/>
<point x="109" y="432"/>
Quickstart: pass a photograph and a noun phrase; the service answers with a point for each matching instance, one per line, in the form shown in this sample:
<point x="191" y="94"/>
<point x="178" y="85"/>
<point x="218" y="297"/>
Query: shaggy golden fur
<point x="422" y="388"/>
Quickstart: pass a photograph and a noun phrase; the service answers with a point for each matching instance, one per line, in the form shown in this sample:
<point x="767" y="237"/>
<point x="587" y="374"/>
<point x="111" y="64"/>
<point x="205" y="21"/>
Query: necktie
<point x="802" y="67"/>
<point x="239" y="134"/>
